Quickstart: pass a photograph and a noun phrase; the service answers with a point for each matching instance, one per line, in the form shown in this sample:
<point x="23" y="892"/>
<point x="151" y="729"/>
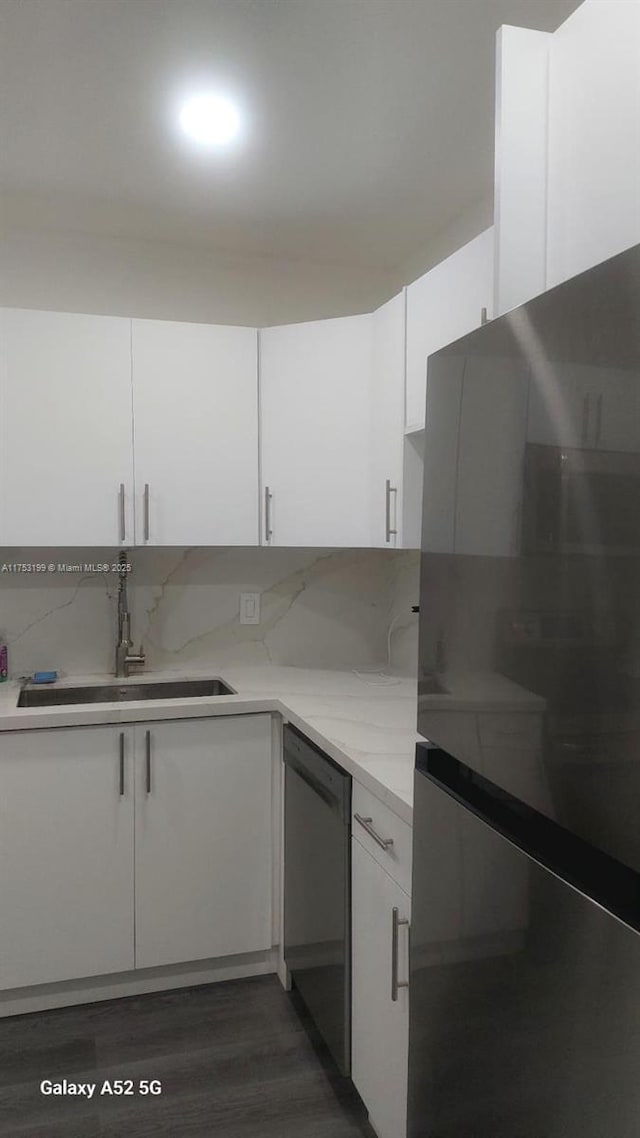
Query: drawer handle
<point x="396" y="921"/>
<point x="384" y="843"/>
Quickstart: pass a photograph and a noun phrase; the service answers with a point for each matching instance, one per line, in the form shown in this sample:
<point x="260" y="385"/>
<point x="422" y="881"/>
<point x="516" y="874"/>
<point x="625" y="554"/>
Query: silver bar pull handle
<point x="145" y="506"/>
<point x="396" y="921"/>
<point x="585" y="419"/>
<point x="484" y="319"/>
<point x="123" y="521"/>
<point x="268" y="496"/>
<point x="121" y="764"/>
<point x="389" y="490"/>
<point x="598" y="419"/>
<point x="147" y="748"/>
<point x="384" y="843"/>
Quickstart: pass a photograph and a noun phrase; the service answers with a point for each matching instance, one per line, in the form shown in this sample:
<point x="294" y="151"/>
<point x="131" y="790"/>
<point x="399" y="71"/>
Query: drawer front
<point x="513" y="729"/>
<point x="386" y="837"/>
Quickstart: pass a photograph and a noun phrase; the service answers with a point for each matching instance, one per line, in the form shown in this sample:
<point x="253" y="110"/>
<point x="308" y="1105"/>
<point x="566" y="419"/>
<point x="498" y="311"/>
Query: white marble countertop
<point x="364" y="721"/>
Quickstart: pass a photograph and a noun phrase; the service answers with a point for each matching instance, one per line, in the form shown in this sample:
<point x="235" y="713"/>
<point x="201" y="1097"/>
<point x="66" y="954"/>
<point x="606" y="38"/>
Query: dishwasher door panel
<point x="317" y="905"/>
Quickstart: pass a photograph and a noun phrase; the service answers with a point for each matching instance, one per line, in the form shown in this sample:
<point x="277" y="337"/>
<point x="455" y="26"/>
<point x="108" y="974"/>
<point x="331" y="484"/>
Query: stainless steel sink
<point x="36" y="695"/>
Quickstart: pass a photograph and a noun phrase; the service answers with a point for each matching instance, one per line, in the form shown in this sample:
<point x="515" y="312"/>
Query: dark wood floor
<point x="235" y="1061"/>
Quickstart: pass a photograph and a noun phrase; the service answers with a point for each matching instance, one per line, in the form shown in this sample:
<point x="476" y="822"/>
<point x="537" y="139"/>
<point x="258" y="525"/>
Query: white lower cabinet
<point x="203" y="839"/>
<point x="380" y="1023"/>
<point x="66" y="855"/>
<point x="175" y="814"/>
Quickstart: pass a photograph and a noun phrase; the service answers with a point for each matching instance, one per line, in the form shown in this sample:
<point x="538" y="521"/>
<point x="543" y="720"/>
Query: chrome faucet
<point x="125" y="659"/>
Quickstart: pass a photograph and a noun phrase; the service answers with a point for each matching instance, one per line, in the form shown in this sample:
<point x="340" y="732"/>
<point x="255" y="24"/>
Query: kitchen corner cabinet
<point x="66" y="855"/>
<point x="442" y="306"/>
<point x="66" y="459"/>
<point x="165" y="824"/>
<point x="315" y="385"/>
<point x="195" y="400"/>
<point x="387" y="423"/>
<point x="380" y="1024"/>
<point x="203" y="839"/>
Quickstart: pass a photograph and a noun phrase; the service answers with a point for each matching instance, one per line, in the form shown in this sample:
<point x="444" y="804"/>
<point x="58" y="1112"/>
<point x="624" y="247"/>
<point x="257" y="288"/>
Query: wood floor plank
<point x="236" y="1060"/>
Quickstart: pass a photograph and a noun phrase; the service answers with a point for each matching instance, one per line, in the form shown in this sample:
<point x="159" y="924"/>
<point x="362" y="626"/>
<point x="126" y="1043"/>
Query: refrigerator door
<point x="529" y="656"/>
<point x="525" y="990"/>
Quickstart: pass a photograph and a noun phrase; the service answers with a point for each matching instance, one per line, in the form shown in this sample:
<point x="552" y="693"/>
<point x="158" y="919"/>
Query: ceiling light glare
<point x="210" y="120"/>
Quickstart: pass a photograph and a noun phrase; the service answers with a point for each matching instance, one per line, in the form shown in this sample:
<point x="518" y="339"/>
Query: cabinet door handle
<point x="121" y="764"/>
<point x="484" y="318"/>
<point x="146" y="511"/>
<point x="389" y="490"/>
<point x="147" y="748"/>
<point x="123" y="526"/>
<point x="384" y="843"/>
<point x="396" y="921"/>
<point x="585" y="419"/>
<point x="598" y="419"/>
<point x="268" y="496"/>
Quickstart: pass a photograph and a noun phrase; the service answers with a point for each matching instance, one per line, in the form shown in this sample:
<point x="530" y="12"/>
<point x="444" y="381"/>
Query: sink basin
<point x="35" y="695"/>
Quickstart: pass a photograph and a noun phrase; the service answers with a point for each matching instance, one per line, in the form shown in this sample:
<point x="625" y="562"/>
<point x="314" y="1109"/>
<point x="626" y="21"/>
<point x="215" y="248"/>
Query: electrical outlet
<point x="249" y="608"/>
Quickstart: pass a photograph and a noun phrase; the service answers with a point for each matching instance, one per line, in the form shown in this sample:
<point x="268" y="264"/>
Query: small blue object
<point x="44" y="677"/>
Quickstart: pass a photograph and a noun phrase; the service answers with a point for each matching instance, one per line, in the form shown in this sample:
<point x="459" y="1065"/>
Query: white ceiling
<point x="370" y="121"/>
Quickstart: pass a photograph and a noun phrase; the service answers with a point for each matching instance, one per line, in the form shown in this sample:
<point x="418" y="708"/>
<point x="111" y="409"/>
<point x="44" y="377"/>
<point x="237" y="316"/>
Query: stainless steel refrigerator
<point x="525" y="939"/>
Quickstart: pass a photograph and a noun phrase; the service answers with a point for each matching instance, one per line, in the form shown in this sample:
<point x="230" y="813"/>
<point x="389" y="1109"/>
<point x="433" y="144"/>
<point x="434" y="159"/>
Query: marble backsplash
<point x="319" y="608"/>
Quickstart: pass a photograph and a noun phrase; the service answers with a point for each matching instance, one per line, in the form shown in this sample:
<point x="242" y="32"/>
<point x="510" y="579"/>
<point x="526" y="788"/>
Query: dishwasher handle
<point x="316" y="786"/>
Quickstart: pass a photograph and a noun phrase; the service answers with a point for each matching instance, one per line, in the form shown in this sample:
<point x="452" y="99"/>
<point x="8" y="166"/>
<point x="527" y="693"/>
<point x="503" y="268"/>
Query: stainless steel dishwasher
<point x="317" y="889"/>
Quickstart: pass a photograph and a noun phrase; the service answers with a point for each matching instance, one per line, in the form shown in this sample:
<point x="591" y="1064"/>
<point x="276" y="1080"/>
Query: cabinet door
<point x="387" y="423"/>
<point x="195" y="389"/>
<point x="315" y="394"/>
<point x="203" y="839"/>
<point x="380" y="1026"/>
<point x="443" y="305"/>
<point x="66" y="855"/>
<point x="65" y="429"/>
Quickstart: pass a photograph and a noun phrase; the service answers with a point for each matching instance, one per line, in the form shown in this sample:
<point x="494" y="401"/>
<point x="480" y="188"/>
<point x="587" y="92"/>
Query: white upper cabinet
<point x="593" y="172"/>
<point x="442" y="306"/>
<point x="387" y="423"/>
<point x="315" y="394"/>
<point x="66" y="463"/>
<point x="195" y="392"/>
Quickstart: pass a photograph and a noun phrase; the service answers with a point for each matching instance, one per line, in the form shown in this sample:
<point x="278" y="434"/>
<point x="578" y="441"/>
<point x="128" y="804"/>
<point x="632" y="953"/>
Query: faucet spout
<point x="125" y="659"/>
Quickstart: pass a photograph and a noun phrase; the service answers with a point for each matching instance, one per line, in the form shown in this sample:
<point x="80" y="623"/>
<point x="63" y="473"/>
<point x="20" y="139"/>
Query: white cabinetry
<point x="194" y="799"/>
<point x="380" y="1023"/>
<point x="65" y="429"/>
<point x="66" y="855"/>
<point x="315" y="393"/>
<point x="203" y="839"/>
<point x="195" y="390"/>
<point x="442" y="306"/>
<point x="387" y="423"/>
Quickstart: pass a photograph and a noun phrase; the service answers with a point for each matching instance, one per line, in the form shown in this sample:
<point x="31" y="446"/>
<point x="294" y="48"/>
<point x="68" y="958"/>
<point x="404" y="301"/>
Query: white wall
<point x="594" y="137"/>
<point x="76" y="272"/>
